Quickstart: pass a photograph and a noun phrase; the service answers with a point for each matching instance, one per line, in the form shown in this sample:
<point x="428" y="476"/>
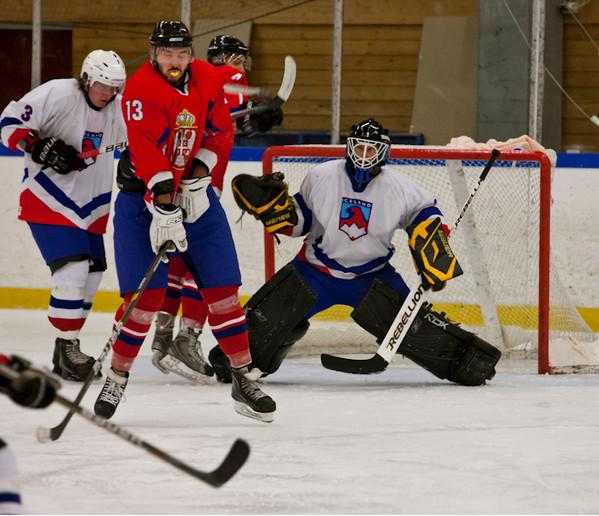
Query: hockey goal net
<point x="510" y="293"/>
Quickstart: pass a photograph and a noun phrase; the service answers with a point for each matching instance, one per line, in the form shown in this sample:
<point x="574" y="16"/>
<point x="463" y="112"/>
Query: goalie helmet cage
<point x="509" y="294"/>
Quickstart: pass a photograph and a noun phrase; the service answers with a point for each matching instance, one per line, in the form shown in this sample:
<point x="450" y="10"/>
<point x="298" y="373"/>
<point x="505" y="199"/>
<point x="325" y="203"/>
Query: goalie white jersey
<point x="58" y="108"/>
<point x="349" y="233"/>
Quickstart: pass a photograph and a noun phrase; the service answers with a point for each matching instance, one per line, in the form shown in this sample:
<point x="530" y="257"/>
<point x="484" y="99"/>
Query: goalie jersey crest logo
<point x="354" y="217"/>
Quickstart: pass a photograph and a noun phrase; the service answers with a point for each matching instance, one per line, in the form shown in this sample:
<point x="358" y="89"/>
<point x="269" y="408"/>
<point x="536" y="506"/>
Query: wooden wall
<point x="581" y="79"/>
<point x="380" y="58"/>
<point x="380" y="54"/>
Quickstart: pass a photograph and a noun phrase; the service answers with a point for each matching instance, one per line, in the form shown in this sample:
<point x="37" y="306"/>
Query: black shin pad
<point x="434" y="343"/>
<point x="276" y="320"/>
<point x="276" y="317"/>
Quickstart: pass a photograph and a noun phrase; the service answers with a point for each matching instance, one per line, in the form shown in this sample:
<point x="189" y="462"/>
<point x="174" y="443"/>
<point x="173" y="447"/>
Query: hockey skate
<point x="186" y="350"/>
<point x="69" y="362"/>
<point x="163" y="338"/>
<point x="250" y="401"/>
<point x="111" y="394"/>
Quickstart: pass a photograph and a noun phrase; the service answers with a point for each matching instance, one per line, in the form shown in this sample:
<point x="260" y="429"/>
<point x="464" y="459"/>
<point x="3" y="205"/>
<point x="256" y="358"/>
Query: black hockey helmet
<point x="223" y="46"/>
<point x="170" y="33"/>
<point x="366" y="152"/>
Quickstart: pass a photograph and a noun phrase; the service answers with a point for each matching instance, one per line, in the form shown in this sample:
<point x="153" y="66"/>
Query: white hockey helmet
<point x="103" y="66"/>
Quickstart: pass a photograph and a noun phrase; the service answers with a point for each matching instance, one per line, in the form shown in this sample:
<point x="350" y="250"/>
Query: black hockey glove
<point x="262" y="121"/>
<point x="267" y="199"/>
<point x="57" y="155"/>
<point x="32" y="388"/>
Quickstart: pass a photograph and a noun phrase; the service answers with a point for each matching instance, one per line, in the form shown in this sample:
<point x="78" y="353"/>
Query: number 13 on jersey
<point x="134" y="110"/>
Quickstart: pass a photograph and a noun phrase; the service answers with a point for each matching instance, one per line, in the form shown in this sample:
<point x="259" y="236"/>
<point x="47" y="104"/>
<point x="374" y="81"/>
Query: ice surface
<point x="398" y="442"/>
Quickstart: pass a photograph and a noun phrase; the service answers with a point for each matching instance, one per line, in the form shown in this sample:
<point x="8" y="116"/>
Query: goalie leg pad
<point x="448" y="351"/>
<point x="276" y="317"/>
<point x="434" y="343"/>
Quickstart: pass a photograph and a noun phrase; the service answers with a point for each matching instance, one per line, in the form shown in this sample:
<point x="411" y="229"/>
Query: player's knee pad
<point x="92" y="284"/>
<point x="433" y="342"/>
<point x="276" y="317"/>
<point x="70" y="280"/>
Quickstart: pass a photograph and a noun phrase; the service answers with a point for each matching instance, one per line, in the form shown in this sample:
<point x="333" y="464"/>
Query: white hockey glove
<point x="192" y="197"/>
<point x="167" y="226"/>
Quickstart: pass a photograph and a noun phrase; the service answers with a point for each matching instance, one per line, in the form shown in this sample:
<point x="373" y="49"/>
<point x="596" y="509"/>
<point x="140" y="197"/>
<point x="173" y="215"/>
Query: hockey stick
<point x="282" y="95"/>
<point x="250" y="91"/>
<point x="235" y="458"/>
<point x="101" y="150"/>
<point x="52" y="434"/>
<point x="404" y="318"/>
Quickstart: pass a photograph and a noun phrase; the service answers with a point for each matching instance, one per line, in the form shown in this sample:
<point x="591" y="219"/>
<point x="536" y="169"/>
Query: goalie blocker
<point x="276" y="320"/>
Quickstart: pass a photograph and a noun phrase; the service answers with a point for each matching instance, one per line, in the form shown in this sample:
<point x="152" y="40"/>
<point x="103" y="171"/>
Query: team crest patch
<point x="354" y="217"/>
<point x="91" y="141"/>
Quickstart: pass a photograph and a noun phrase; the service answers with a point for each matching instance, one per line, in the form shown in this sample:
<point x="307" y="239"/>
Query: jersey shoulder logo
<point x="354" y="217"/>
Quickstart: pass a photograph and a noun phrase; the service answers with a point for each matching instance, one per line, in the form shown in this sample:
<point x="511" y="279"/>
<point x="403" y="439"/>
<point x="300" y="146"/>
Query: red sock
<point x="134" y="331"/>
<point x="227" y="322"/>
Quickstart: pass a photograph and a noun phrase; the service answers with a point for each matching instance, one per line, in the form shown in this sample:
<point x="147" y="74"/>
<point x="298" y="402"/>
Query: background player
<point x="178" y="128"/>
<point x="64" y="200"/>
<point x="348" y="211"/>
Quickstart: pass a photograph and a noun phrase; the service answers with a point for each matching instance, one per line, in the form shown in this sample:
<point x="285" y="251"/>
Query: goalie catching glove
<point x="267" y="199"/>
<point x="433" y="258"/>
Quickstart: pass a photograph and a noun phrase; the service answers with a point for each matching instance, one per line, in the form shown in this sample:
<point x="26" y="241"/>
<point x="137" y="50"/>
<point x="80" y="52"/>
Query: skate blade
<point x="172" y="365"/>
<point x="244" y="410"/>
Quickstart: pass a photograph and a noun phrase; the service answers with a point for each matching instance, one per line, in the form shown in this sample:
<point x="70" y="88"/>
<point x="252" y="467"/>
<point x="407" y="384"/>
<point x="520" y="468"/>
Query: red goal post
<point x="518" y="193"/>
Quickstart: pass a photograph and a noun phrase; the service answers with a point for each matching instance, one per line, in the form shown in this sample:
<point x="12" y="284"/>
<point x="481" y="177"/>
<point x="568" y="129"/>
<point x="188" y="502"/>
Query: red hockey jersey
<point x="168" y="127"/>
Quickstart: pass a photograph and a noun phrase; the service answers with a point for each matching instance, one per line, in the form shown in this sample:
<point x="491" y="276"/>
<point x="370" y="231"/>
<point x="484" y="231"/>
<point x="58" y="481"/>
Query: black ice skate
<point x="163" y="338"/>
<point x="69" y="361"/>
<point x="249" y="399"/>
<point x="111" y="394"/>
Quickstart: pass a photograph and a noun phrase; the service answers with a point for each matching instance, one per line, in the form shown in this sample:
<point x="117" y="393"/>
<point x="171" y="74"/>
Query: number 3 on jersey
<point x="134" y="110"/>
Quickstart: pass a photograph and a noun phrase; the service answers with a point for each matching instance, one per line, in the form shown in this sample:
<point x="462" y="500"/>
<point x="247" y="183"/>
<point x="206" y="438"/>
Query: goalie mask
<point x="367" y="151"/>
<point x="227" y="49"/>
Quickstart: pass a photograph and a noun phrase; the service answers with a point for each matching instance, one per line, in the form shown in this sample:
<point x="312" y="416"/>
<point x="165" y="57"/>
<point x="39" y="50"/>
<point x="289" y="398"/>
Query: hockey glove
<point x="192" y="197"/>
<point x="57" y="155"/>
<point x="167" y="226"/>
<point x="262" y="121"/>
<point x="433" y="258"/>
<point x="32" y="388"/>
<point x="267" y="199"/>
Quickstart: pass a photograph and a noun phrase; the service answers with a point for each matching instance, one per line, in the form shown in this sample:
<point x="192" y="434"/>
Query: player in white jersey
<point x="347" y="211"/>
<point x="64" y="199"/>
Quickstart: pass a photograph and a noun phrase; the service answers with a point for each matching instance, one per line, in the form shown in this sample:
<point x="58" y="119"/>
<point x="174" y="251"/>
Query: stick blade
<point x="44" y="435"/>
<point x="288" y="79"/>
<point x="372" y="365"/>
<point x="237" y="456"/>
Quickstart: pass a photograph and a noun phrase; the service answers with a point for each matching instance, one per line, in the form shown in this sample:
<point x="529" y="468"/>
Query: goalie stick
<point x="405" y="316"/>
<point x="44" y="434"/>
<point x="235" y="458"/>
<point x="282" y="95"/>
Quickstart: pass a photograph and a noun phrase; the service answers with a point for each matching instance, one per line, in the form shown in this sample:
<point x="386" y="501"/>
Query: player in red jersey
<point x="179" y="129"/>
<point x="231" y="59"/>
